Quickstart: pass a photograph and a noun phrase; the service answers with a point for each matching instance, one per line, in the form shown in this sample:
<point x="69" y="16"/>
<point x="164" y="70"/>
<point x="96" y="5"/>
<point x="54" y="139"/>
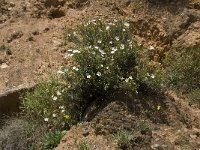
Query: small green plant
<point x="124" y="138"/>
<point x="83" y="145"/>
<point x="103" y="60"/>
<point x="51" y="140"/>
<point x="194" y="96"/>
<point x="183" y="71"/>
<point x="141" y="125"/>
<point x="183" y="140"/>
<point x="6" y="49"/>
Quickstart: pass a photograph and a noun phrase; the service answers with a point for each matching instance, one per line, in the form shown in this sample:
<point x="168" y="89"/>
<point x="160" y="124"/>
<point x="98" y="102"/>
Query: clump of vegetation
<point x="183" y="71"/>
<point x="124" y="138"/>
<point x="51" y="140"/>
<point x="6" y="49"/>
<point x="182" y="140"/>
<point x="83" y="145"/>
<point x="46" y="105"/>
<point x="17" y="134"/>
<point x="103" y="61"/>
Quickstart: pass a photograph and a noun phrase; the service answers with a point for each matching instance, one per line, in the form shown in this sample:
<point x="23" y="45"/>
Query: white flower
<point x="124" y="30"/>
<point x="102" y="52"/>
<point x="74" y="32"/>
<point x="110" y="23"/>
<point x="96" y="47"/>
<point x="101" y="65"/>
<point x="126" y="24"/>
<point x="61" y="107"/>
<point x="46" y="119"/>
<point x="152" y="76"/>
<point x="99" y="41"/>
<point x="112" y="52"/>
<point x="60" y="72"/>
<point x="110" y="42"/>
<point x="117" y="38"/>
<point x="115" y="20"/>
<point x="107" y="27"/>
<point x="76" y="51"/>
<point x="107" y="68"/>
<point x="55" y="98"/>
<point x="122" y="46"/>
<point x="54" y="115"/>
<point x="70" y="50"/>
<point x="62" y="110"/>
<point x="136" y="92"/>
<point x="66" y="55"/>
<point x="99" y="74"/>
<point x="114" y="49"/>
<point x="151" y="48"/>
<point x="131" y="78"/>
<point x="88" y="76"/>
<point x="75" y="68"/>
<point x="127" y="80"/>
<point x="58" y="93"/>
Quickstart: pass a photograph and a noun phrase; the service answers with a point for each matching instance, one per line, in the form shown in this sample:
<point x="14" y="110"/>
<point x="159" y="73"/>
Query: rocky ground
<point x="31" y="39"/>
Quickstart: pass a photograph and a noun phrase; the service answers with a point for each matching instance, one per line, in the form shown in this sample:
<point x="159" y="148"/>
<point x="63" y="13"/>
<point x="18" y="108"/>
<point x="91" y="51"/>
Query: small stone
<point x="35" y="32"/>
<point x="57" y="43"/>
<point x="10" y="8"/>
<point x="46" y="29"/>
<point x="12" y="4"/>
<point x="3" y="66"/>
<point x="155" y="146"/>
<point x="86" y="133"/>
<point x="193" y="136"/>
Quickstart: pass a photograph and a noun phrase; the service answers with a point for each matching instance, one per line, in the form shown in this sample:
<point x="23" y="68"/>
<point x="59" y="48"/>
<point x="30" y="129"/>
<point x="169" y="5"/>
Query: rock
<point x="155" y="146"/>
<point x="3" y="66"/>
<point x="57" y="42"/>
<point x="193" y="136"/>
<point x="35" y="32"/>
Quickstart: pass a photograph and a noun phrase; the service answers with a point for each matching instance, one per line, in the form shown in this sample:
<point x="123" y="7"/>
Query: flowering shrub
<point x="46" y="105"/>
<point x="103" y="60"/>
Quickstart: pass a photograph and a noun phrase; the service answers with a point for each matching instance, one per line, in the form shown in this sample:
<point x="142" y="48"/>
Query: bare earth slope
<point x="32" y="30"/>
